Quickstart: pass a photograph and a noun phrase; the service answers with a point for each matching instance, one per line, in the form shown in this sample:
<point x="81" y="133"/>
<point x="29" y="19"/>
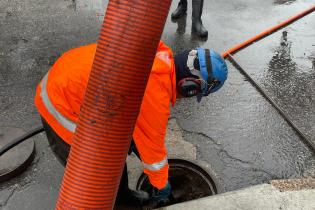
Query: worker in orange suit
<point x="59" y="95"/>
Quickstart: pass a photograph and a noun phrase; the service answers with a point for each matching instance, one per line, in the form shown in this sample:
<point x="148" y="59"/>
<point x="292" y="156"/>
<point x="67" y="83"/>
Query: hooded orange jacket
<point x="60" y="94"/>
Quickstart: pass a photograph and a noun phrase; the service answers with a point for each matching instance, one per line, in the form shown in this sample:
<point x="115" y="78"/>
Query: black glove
<point x="160" y="197"/>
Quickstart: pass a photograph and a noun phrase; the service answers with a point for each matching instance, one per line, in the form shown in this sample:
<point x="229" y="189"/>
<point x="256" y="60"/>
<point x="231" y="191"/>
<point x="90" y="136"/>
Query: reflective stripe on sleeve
<point x="155" y="166"/>
<point x="66" y="123"/>
<point x="164" y="56"/>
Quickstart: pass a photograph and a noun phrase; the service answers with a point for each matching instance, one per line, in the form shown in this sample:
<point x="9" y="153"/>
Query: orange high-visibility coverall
<point x="61" y="91"/>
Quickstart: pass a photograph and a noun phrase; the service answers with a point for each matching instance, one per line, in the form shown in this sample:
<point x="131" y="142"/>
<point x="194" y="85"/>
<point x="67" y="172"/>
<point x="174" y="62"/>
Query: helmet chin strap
<point x="205" y="70"/>
<point x="199" y="96"/>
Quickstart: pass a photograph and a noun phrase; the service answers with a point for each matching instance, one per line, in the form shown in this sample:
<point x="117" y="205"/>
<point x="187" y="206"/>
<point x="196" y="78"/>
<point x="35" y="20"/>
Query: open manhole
<point x="188" y="180"/>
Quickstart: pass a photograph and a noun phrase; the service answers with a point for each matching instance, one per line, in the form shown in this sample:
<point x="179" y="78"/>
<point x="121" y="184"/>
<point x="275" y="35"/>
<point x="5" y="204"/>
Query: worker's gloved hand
<point x="160" y="197"/>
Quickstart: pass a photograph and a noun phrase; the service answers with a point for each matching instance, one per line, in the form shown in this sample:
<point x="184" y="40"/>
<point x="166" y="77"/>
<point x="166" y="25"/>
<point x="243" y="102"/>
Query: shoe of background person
<point x="197" y="26"/>
<point x="181" y="9"/>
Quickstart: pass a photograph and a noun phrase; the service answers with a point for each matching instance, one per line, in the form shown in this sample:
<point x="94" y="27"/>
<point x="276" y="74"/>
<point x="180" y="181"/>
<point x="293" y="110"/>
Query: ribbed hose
<point x="125" y="52"/>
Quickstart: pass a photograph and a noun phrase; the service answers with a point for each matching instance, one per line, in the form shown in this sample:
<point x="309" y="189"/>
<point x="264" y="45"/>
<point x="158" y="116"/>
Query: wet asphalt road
<point x="236" y="131"/>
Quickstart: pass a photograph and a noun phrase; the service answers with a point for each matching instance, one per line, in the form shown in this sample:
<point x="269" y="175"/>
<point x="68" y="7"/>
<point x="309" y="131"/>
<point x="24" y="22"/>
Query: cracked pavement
<point x="235" y="133"/>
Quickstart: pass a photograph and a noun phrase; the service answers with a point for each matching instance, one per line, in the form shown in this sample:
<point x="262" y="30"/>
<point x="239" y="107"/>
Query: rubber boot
<point x="181" y="25"/>
<point x="127" y="196"/>
<point x="181" y="9"/>
<point x="197" y="27"/>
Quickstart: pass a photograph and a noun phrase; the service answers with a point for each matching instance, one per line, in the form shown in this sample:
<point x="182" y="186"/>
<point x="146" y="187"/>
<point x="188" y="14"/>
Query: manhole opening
<point x="188" y="180"/>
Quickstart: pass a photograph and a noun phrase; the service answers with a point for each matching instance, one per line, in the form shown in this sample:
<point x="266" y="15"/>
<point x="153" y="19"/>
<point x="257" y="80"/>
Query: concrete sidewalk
<point x="285" y="194"/>
<point x="280" y="194"/>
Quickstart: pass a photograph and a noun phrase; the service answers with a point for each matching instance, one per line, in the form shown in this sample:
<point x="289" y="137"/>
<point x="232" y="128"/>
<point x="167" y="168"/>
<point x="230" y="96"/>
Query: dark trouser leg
<point x="125" y="194"/>
<point x="133" y="148"/>
<point x="123" y="186"/>
<point x="181" y="9"/>
<point x="197" y="27"/>
<point x="62" y="149"/>
<point x="58" y="146"/>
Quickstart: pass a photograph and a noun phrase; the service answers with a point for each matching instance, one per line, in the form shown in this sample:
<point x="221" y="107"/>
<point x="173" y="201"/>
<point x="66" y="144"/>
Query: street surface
<point x="238" y="135"/>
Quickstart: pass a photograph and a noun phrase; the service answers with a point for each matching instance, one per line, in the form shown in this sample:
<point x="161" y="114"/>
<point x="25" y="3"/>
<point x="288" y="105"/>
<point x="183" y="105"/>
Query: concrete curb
<point x="264" y="197"/>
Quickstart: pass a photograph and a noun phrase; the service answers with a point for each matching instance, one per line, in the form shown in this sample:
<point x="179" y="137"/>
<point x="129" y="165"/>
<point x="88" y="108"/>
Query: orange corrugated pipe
<point x="267" y="32"/>
<point x="125" y="52"/>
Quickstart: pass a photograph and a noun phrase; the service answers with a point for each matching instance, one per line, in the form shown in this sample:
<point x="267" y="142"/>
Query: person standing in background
<point x="197" y="7"/>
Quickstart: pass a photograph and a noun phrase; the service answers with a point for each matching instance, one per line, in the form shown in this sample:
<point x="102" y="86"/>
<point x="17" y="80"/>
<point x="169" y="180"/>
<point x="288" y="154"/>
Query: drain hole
<point x="188" y="180"/>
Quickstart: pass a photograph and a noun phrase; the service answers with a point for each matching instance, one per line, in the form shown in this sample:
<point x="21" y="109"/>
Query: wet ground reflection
<point x="281" y="67"/>
<point x="284" y="1"/>
<point x="291" y="85"/>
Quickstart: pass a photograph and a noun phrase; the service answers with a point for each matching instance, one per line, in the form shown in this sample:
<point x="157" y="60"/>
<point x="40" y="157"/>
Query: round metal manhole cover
<point x="16" y="160"/>
<point x="188" y="181"/>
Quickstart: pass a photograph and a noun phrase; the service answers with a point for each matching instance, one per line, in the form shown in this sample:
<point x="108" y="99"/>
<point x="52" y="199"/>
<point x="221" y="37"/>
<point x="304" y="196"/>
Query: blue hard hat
<point x="213" y="70"/>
